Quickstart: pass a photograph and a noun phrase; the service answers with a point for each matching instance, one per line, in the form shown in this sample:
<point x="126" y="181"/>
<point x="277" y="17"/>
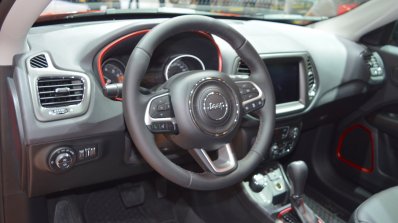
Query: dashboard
<point x="62" y="113"/>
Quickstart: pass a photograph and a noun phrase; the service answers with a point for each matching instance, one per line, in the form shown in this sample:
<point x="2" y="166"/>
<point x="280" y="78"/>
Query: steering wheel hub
<point x="214" y="106"/>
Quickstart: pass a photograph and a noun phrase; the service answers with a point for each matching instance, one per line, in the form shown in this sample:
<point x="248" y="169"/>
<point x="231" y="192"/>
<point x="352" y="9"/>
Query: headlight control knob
<point x="62" y="159"/>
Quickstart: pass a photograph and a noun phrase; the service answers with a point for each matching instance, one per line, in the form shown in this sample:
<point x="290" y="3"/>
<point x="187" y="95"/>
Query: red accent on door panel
<point x="349" y="162"/>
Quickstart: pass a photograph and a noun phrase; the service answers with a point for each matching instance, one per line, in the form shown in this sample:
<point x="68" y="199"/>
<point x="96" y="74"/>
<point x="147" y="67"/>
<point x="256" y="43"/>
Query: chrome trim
<point x="225" y="163"/>
<point x="50" y="114"/>
<point x="260" y="92"/>
<point x="149" y="120"/>
<point x="289" y="107"/>
<point x="166" y="72"/>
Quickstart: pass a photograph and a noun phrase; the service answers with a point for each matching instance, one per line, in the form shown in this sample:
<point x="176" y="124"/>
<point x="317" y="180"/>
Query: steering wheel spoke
<point x="159" y="115"/>
<point x="224" y="163"/>
<point x="252" y="96"/>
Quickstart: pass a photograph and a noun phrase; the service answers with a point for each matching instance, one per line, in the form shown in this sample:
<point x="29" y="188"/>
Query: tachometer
<point x="181" y="64"/>
<point x="113" y="70"/>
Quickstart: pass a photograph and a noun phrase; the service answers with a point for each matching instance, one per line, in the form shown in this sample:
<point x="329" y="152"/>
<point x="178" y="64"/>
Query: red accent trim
<point x="110" y="46"/>
<point x="103" y="52"/>
<point x="210" y="37"/>
<point x="283" y="212"/>
<point x="349" y="162"/>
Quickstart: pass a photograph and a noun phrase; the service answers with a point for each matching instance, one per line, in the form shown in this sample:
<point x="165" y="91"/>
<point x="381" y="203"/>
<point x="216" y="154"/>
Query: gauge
<point x="113" y="70"/>
<point x="183" y="63"/>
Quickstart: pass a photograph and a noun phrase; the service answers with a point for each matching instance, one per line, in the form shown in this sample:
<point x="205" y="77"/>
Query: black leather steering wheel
<point x="201" y="110"/>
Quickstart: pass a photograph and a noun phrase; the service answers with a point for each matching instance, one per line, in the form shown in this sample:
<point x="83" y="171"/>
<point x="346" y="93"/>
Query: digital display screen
<point x="285" y="78"/>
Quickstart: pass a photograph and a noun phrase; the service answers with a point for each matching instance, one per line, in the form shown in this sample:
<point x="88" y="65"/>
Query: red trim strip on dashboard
<point x="142" y="32"/>
<point x="110" y="46"/>
<point x="210" y="37"/>
<point x="349" y="162"/>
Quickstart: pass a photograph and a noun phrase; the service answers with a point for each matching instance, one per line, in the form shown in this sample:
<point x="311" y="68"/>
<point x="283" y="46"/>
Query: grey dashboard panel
<point x="73" y="47"/>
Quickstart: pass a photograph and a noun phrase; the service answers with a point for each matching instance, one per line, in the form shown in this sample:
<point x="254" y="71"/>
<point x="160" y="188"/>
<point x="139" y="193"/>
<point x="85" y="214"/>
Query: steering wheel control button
<point x="215" y="106"/>
<point x="160" y="107"/>
<point x="253" y="106"/>
<point x="247" y="90"/>
<point x="62" y="159"/>
<point x="163" y="127"/>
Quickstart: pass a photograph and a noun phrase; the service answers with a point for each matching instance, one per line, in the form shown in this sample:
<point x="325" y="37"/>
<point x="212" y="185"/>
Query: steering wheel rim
<point x="135" y="104"/>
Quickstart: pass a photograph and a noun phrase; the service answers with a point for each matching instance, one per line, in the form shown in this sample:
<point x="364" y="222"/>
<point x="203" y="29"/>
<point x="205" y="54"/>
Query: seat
<point x="381" y="207"/>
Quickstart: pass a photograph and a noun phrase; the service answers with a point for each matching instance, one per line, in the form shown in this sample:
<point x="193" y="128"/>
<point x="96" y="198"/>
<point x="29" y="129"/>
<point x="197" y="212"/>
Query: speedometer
<point x="181" y="64"/>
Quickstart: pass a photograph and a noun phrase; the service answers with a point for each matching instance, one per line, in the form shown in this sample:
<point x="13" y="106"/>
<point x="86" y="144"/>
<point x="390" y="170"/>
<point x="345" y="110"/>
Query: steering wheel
<point x="200" y="110"/>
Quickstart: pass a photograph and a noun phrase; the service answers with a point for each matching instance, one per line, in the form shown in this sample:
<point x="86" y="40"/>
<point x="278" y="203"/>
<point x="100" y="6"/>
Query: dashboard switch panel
<point x="285" y="139"/>
<point x="66" y="157"/>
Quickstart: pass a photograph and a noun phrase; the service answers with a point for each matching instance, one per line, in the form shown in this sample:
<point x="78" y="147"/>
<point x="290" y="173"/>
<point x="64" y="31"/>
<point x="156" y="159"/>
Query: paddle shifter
<point x="297" y="173"/>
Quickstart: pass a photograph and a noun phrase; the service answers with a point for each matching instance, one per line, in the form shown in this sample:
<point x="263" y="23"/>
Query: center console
<point x="277" y="196"/>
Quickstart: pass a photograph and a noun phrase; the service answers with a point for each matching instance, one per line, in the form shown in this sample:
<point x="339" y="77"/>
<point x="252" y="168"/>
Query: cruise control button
<point x="160" y="108"/>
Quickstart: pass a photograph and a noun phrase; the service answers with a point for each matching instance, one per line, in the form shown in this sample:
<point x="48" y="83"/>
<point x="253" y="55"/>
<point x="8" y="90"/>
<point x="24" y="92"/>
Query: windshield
<point x="289" y="10"/>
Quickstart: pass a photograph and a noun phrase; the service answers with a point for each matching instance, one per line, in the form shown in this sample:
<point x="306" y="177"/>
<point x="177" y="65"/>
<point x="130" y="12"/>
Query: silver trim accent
<point x="225" y="163"/>
<point x="289" y="107"/>
<point x="260" y="92"/>
<point x="50" y="114"/>
<point x="166" y="72"/>
<point x="149" y="120"/>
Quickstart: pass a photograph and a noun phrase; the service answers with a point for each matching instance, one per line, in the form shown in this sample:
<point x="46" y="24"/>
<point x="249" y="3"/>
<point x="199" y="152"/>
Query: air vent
<point x="373" y="63"/>
<point x="39" y="61"/>
<point x="242" y="69"/>
<point x="310" y="73"/>
<point x="311" y="78"/>
<point x="60" y="92"/>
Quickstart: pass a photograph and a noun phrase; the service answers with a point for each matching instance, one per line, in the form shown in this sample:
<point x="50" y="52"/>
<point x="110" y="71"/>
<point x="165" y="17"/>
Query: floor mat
<point x="328" y="204"/>
<point x="326" y="215"/>
<point x="106" y="206"/>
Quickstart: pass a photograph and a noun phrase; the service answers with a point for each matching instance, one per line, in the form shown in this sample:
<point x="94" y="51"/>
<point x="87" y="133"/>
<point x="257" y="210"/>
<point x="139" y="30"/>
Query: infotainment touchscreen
<point x="285" y="78"/>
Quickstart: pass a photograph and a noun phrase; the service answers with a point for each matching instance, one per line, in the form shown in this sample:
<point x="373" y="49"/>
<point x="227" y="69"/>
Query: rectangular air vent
<point x="242" y="69"/>
<point x="60" y="91"/>
<point x="39" y="61"/>
<point x="310" y="73"/>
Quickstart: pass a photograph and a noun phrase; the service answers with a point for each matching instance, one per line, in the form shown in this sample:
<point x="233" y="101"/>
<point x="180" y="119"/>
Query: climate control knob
<point x="62" y="159"/>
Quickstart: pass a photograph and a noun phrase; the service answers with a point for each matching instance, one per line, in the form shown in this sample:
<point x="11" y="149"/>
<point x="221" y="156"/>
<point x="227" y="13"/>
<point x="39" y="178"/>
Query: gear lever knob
<point x="297" y="173"/>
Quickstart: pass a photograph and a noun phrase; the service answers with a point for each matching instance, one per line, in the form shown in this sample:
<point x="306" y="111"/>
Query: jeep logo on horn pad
<point x="215" y="106"/>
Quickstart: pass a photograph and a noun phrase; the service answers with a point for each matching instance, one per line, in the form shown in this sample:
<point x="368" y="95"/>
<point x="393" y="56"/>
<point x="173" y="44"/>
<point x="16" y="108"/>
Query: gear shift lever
<point x="297" y="173"/>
